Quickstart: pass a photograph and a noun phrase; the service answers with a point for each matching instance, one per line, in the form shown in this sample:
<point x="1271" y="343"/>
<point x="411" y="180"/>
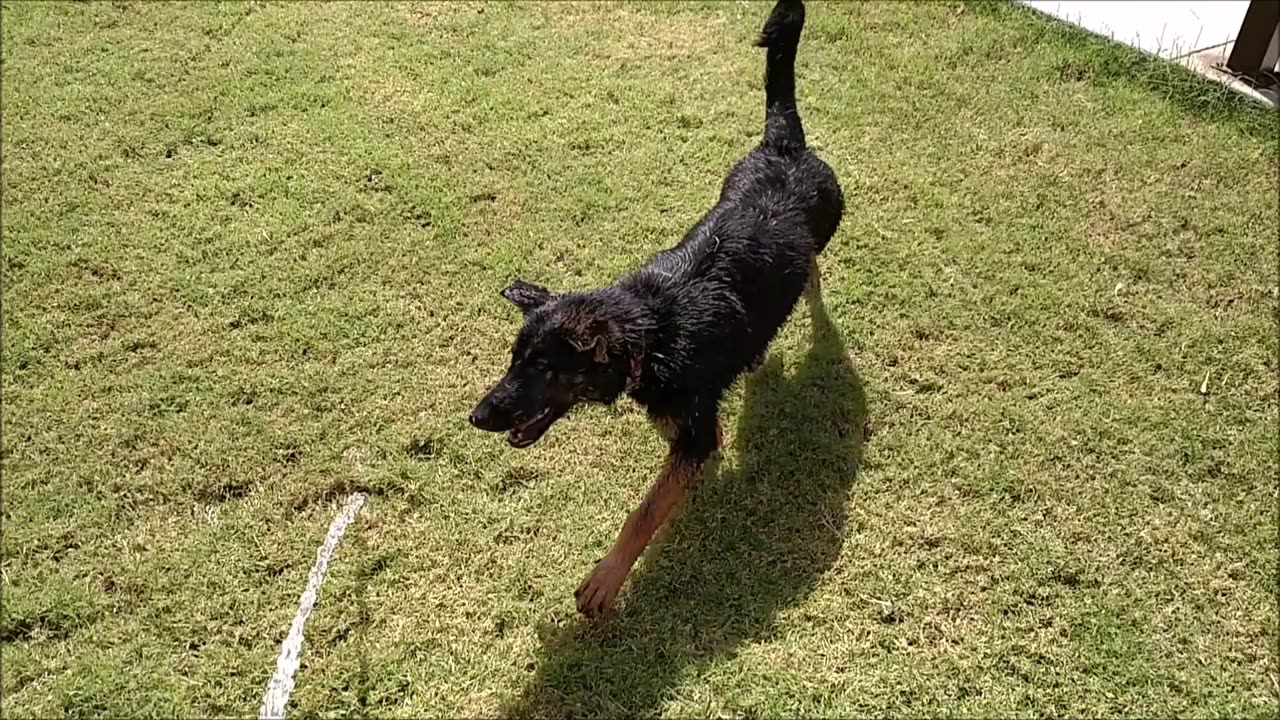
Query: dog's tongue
<point x="529" y="433"/>
<point x="516" y="438"/>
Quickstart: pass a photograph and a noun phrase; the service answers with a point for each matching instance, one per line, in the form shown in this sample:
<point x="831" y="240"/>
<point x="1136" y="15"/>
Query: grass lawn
<point x="251" y="262"/>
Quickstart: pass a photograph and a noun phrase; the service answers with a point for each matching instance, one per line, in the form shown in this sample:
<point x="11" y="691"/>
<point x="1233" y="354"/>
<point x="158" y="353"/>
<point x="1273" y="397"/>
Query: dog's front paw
<point x="599" y="590"/>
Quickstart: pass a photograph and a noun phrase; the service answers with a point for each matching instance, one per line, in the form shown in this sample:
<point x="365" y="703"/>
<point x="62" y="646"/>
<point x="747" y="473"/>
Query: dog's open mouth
<point x="530" y="431"/>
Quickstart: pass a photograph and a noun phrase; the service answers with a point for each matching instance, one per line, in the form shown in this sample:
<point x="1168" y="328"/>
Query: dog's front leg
<point x="597" y="593"/>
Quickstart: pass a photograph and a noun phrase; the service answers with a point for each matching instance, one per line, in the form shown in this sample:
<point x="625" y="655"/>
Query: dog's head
<point x="569" y="351"/>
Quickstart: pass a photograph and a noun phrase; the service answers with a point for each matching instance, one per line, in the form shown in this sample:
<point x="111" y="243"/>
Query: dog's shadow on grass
<point x="749" y="542"/>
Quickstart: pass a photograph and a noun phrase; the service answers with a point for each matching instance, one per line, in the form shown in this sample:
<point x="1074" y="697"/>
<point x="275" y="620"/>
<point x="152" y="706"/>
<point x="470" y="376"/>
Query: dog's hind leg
<point x="813" y="287"/>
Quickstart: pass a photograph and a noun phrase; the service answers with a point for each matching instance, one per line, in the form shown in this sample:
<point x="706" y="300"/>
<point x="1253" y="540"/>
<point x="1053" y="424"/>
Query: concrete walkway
<point x="1170" y="29"/>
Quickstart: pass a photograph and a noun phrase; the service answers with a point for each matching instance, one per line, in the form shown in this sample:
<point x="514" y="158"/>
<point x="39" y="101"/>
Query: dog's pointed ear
<point x="526" y="296"/>
<point x="597" y="346"/>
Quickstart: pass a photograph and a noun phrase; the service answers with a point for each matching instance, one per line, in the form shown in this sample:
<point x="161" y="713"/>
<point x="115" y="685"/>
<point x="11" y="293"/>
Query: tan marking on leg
<point x="668" y="428"/>
<point x="813" y="288"/>
<point x="597" y="593"/>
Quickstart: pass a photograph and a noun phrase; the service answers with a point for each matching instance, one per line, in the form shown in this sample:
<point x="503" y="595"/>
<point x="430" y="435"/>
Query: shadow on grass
<point x="748" y="543"/>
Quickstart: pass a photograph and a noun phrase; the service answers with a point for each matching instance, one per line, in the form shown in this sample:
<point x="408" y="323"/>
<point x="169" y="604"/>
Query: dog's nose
<point x="479" y="417"/>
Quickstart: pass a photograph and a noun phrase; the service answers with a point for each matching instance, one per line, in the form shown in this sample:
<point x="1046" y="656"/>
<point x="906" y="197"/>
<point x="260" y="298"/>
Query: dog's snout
<point x="491" y="414"/>
<point x="494" y="412"/>
<point x="480" y="416"/>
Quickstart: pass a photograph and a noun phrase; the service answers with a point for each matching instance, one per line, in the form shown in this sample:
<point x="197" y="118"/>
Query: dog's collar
<point x="637" y="366"/>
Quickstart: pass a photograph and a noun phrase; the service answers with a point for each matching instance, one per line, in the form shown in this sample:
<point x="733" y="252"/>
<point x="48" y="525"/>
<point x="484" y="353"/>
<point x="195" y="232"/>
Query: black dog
<point x="675" y="334"/>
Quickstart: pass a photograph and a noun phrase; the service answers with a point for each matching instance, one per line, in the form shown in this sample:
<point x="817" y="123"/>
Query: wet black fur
<point x="699" y="314"/>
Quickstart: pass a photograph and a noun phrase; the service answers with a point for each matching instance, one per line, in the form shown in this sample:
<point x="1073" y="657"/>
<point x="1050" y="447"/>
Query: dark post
<point x="1261" y="21"/>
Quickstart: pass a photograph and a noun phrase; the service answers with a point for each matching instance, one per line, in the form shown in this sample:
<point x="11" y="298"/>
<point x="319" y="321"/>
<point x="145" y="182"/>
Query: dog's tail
<point x="780" y="37"/>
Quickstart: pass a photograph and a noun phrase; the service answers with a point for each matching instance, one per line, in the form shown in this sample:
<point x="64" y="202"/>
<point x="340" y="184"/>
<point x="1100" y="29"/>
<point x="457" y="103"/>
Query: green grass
<point x="251" y="260"/>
